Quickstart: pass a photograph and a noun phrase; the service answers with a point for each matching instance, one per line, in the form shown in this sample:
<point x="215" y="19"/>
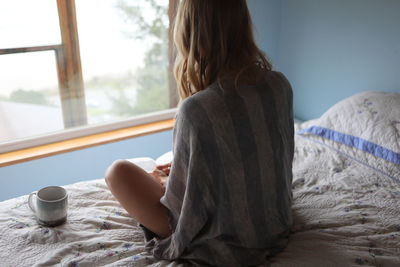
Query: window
<point x="78" y="64"/>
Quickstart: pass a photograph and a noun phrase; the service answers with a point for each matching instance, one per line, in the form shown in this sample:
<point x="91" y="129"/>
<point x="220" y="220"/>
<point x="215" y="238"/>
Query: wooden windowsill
<point x="42" y="151"/>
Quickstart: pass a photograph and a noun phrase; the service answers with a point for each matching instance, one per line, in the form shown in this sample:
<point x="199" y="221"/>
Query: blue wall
<point x="79" y="165"/>
<point x="330" y="50"/>
<point x="266" y="16"/>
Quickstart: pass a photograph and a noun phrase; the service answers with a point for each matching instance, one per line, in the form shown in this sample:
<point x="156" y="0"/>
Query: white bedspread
<point x="345" y="214"/>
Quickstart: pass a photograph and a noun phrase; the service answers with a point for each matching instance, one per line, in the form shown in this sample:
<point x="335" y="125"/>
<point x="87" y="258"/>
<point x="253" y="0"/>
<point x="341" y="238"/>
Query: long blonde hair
<point x="214" y="39"/>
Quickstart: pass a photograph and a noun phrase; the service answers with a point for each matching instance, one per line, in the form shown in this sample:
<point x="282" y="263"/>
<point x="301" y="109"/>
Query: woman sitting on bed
<point x="227" y="201"/>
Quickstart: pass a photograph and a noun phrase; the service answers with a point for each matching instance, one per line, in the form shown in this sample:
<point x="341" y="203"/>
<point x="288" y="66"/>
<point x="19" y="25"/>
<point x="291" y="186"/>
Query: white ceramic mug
<point x="50" y="206"/>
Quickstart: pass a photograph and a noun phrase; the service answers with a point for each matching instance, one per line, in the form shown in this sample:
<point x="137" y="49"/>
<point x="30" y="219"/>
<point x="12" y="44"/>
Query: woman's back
<point x="227" y="200"/>
<point x="229" y="191"/>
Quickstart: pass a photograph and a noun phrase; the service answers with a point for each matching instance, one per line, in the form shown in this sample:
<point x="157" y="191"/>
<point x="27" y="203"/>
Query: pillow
<point x="364" y="127"/>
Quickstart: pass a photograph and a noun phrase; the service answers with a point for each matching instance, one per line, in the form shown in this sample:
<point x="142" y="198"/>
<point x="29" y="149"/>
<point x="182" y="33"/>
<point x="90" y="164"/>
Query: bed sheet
<point x="345" y="214"/>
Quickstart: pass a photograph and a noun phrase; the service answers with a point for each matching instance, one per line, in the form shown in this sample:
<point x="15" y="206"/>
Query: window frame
<point x="71" y="86"/>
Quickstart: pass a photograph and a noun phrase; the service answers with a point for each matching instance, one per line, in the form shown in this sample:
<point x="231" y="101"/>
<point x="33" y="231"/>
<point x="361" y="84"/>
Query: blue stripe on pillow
<point x="353" y="141"/>
<point x="353" y="158"/>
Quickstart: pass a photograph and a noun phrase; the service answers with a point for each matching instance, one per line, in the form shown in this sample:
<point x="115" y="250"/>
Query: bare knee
<point x="116" y="172"/>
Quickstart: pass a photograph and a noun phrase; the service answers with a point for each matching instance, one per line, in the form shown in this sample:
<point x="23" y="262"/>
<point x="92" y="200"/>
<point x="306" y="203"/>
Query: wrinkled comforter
<point x="345" y="214"/>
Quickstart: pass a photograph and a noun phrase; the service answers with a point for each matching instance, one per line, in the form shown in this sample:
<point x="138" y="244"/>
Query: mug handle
<point x="30" y="204"/>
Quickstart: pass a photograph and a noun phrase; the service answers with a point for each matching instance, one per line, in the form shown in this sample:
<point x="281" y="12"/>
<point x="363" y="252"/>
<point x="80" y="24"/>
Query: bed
<point x="346" y="202"/>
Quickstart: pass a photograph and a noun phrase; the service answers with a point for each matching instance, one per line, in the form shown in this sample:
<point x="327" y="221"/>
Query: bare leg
<point x="139" y="193"/>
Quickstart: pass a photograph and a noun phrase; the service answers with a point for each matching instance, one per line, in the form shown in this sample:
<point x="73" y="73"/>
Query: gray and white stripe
<point x="229" y="190"/>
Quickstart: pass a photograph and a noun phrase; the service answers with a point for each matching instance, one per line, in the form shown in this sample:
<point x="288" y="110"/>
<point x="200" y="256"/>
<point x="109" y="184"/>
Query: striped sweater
<point x="229" y="191"/>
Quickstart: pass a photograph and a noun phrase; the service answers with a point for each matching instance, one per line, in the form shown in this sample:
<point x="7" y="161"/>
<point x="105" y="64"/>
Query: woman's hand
<point x="164" y="168"/>
<point x="161" y="173"/>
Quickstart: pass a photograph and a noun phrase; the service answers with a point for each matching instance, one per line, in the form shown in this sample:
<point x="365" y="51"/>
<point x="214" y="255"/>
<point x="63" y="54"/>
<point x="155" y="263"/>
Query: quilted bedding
<point x="345" y="214"/>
